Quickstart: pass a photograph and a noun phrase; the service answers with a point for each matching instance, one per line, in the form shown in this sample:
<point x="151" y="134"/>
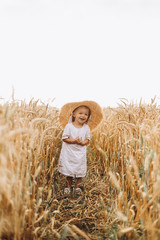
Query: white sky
<point x="75" y="50"/>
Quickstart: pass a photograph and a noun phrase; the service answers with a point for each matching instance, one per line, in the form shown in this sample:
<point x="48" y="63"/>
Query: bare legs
<point x="79" y="180"/>
<point x="70" y="180"/>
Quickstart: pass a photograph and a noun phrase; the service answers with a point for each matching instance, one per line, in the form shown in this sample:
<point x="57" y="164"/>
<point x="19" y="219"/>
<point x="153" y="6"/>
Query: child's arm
<point x="77" y="140"/>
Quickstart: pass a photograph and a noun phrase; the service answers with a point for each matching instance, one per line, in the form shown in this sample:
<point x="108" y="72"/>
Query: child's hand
<point x="77" y="140"/>
<point x="81" y="142"/>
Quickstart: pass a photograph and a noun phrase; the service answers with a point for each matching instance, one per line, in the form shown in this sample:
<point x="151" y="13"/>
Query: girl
<point x="77" y="119"/>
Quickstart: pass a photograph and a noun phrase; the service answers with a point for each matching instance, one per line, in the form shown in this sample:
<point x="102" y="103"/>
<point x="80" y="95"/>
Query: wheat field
<point x="121" y="197"/>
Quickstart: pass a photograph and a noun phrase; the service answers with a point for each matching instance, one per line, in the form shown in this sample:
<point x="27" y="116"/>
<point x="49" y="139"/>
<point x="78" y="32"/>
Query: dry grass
<point x="121" y="197"/>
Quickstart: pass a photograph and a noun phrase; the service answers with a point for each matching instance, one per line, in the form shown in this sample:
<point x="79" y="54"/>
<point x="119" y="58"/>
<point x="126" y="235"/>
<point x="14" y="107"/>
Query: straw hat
<point x="96" y="113"/>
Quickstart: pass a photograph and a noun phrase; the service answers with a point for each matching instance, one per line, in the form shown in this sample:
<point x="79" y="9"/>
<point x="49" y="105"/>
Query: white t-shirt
<point x="72" y="161"/>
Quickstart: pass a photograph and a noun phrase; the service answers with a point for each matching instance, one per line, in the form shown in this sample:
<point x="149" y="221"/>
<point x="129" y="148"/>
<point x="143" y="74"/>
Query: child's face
<point x="81" y="115"/>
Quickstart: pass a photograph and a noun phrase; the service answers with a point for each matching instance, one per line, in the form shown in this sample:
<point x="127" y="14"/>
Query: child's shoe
<point x="78" y="191"/>
<point x="67" y="191"/>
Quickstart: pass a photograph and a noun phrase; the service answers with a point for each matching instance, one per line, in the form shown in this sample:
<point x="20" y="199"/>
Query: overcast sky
<point x="73" y="50"/>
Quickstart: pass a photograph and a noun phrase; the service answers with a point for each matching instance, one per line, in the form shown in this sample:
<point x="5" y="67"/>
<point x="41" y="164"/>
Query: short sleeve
<point x="66" y="132"/>
<point x="88" y="133"/>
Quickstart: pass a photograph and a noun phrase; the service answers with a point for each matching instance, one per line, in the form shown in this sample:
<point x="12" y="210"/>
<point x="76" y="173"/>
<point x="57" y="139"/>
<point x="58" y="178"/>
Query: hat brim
<point x="96" y="113"/>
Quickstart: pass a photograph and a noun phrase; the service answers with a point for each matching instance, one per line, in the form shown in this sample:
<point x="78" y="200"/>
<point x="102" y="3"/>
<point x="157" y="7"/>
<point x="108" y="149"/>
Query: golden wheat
<point x="121" y="195"/>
